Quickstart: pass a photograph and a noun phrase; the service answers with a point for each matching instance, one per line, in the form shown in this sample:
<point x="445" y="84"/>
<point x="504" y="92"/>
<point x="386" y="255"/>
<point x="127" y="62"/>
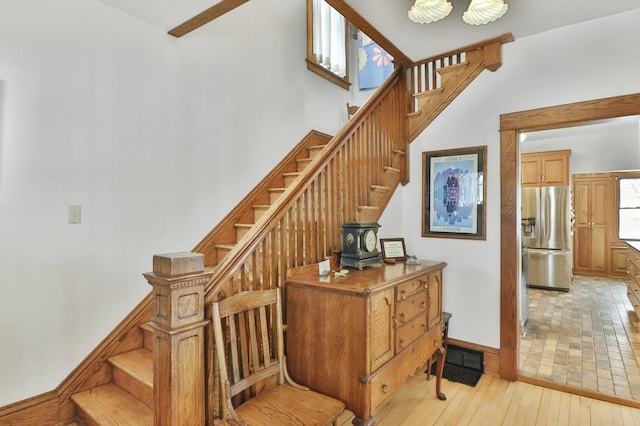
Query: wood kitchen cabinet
<point x="619" y="255"/>
<point x="633" y="281"/>
<point x="359" y="338"/>
<point x="547" y="168"/>
<point x="593" y="196"/>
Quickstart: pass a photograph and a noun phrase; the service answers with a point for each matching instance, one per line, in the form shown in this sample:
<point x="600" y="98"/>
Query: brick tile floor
<point x="588" y="337"/>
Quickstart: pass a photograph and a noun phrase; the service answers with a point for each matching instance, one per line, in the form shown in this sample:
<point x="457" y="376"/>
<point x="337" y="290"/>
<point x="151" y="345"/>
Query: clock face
<point x="370" y="240"/>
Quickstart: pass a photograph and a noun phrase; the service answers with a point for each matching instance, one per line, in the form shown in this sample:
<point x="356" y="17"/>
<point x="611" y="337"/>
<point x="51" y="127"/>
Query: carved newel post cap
<point x="176" y="264"/>
<point x="178" y="281"/>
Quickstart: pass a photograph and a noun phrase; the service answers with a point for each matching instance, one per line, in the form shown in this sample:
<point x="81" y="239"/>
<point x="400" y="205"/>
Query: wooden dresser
<point x="359" y="338"/>
<point x="633" y="282"/>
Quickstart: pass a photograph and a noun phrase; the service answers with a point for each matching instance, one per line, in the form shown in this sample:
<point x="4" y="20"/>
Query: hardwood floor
<point x="495" y="401"/>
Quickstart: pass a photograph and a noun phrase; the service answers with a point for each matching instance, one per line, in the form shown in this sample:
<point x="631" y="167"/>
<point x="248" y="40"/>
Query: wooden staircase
<point x="128" y="399"/>
<point x="291" y="218"/>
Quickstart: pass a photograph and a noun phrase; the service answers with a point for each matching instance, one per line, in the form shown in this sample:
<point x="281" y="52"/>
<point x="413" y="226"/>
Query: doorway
<point x="511" y="125"/>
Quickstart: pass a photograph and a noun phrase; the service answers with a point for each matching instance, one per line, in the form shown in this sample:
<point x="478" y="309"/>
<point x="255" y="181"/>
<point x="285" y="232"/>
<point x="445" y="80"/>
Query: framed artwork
<point x="454" y="192"/>
<point x="393" y="248"/>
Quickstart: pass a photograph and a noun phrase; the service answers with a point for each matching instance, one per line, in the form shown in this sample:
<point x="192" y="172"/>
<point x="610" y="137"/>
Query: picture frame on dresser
<point x="454" y="193"/>
<point x="393" y="248"/>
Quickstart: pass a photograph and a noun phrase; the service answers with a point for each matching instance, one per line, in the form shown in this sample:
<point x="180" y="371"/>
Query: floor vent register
<point x="462" y="365"/>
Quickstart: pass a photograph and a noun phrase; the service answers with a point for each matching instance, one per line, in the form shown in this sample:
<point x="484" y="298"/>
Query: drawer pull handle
<point x="424" y="327"/>
<point x="402" y="321"/>
<point x="385" y="388"/>
<point x="402" y="343"/>
<point x="423" y="304"/>
<point x="404" y="294"/>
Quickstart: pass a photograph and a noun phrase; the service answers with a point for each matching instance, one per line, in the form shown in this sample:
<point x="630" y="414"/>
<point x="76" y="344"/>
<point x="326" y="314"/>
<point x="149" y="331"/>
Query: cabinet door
<point x="434" y="310"/>
<point x="381" y="328"/>
<point x="531" y="170"/>
<point x="619" y="261"/>
<point x="555" y="170"/>
<point x="591" y="201"/>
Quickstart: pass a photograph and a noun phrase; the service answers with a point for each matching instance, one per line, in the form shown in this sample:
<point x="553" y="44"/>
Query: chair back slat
<point x="266" y="347"/>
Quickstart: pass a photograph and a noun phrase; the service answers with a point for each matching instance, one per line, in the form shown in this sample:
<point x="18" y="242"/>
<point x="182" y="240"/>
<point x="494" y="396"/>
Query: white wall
<point x="593" y="60"/>
<point x="156" y="138"/>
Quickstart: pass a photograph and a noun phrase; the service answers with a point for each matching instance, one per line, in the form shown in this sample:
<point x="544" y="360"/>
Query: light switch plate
<point x="75" y="214"/>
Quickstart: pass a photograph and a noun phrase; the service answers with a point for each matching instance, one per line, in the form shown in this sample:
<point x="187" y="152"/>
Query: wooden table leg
<point x="440" y="359"/>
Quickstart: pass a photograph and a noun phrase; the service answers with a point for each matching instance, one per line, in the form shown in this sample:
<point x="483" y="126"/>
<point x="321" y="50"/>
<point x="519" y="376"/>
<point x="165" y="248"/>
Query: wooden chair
<point x="351" y="110"/>
<point x="255" y="386"/>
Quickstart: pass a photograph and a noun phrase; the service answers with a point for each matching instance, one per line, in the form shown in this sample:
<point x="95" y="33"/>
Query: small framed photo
<point x="393" y="248"/>
<point x="454" y="193"/>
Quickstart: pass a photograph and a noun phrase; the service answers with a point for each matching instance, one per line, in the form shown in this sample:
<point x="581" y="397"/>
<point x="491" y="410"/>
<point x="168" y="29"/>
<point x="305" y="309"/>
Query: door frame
<point x="511" y="125"/>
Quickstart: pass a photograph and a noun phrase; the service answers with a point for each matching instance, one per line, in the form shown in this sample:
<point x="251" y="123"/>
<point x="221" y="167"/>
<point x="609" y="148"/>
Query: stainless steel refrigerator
<point x="546" y="233"/>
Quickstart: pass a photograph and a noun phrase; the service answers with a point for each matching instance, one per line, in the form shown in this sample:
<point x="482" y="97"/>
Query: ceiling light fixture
<point x="484" y="11"/>
<point x="428" y="11"/>
<point x="479" y="11"/>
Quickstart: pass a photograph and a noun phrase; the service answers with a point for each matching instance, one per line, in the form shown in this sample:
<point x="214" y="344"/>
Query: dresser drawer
<point x="413" y="305"/>
<point x="408" y="333"/>
<point x="395" y="374"/>
<point x="405" y="290"/>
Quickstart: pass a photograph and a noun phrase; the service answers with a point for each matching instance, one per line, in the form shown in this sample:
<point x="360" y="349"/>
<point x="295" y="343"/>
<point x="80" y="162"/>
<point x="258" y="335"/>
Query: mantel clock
<point x="360" y="244"/>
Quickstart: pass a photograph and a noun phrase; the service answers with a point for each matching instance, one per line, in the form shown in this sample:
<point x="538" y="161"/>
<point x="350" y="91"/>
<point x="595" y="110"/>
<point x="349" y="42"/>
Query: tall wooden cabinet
<point x="547" y="168"/>
<point x="593" y="198"/>
<point x="359" y="338"/>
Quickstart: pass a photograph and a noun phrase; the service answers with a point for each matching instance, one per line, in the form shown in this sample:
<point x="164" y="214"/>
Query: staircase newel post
<point x="178" y="281"/>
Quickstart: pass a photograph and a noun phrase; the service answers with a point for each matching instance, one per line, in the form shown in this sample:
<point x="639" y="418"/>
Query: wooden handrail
<point x="504" y="38"/>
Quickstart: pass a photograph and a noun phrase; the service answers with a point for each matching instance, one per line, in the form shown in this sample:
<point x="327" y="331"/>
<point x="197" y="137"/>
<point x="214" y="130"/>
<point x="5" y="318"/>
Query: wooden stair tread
<point x="380" y="188"/>
<point x="243" y="225"/>
<point x="109" y="405"/>
<point x="453" y="67"/>
<point x="225" y="246"/>
<point x="431" y="92"/>
<point x="392" y="170"/>
<point x="137" y="363"/>
<point x="314" y="150"/>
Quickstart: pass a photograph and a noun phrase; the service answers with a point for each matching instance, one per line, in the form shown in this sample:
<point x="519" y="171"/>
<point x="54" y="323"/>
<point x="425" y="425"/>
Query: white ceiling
<point x="417" y="41"/>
